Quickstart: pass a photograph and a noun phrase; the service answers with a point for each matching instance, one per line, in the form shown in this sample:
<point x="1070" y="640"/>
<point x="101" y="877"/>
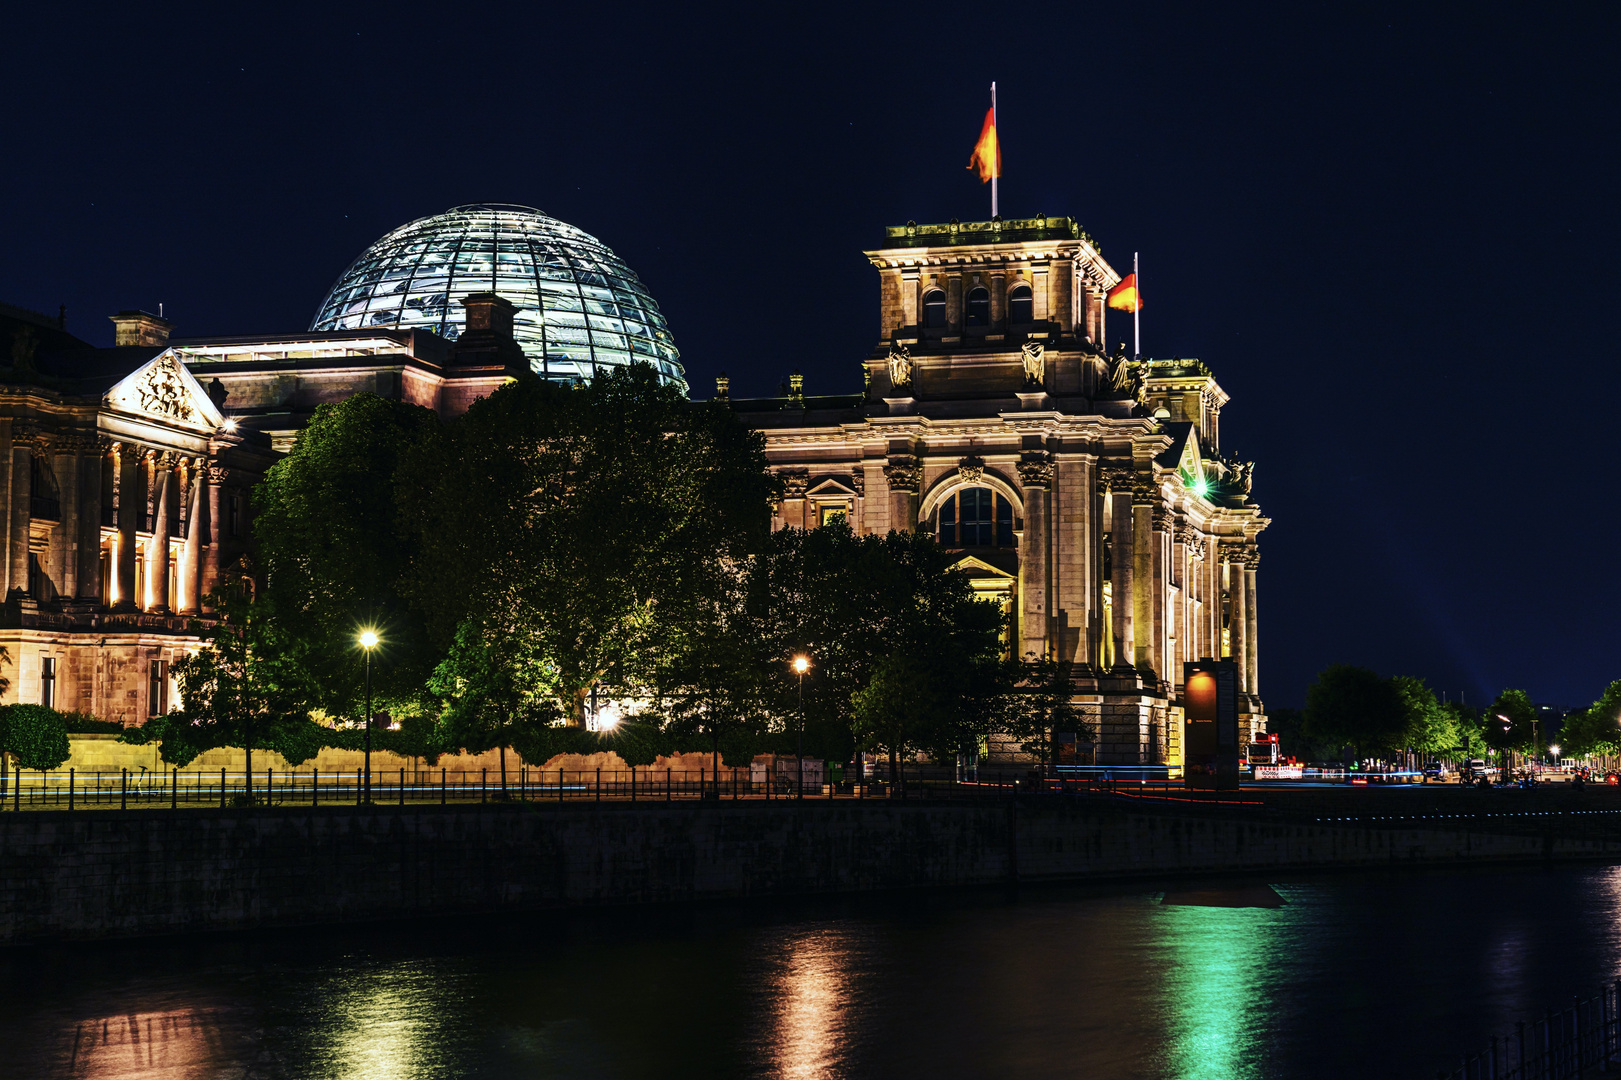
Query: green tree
<point x="1040" y="703"/>
<point x="594" y="511"/>
<point x="336" y="559"/>
<point x="35" y="736"/>
<point x="1353" y="706"/>
<point x="242" y="689"/>
<point x="1595" y="729"/>
<point x="1510" y="723"/>
<point x="1428" y="728"/>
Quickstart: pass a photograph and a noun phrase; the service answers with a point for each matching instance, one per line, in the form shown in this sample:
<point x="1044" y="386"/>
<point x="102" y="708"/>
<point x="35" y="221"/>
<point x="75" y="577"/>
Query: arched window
<point x="934" y="310"/>
<point x="975" y="517"/>
<point x="978" y="307"/>
<point x="1021" y="305"/>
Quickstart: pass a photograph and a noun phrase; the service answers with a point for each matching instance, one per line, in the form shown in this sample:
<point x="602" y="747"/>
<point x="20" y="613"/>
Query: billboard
<point x="1210" y="747"/>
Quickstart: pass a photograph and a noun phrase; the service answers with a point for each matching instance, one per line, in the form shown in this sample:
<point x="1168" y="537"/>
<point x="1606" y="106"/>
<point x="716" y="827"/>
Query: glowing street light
<point x="801" y="665"/>
<point x="368" y="642"/>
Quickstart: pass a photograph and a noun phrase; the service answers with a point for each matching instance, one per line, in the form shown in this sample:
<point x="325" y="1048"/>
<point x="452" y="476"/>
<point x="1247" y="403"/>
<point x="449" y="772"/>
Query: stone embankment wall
<point x="111" y="873"/>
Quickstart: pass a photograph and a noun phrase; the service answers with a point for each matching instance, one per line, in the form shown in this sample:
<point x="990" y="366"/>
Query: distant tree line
<point x="1354" y="711"/>
<point x="558" y="545"/>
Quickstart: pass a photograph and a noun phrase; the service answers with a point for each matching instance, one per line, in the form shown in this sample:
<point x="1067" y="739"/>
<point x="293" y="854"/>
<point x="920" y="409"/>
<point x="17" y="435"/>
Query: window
<point x="832" y="514"/>
<point x="1021" y="305"/>
<point x="979" y="307"/>
<point x="47" y="682"/>
<point x="157" y="690"/>
<point x="976" y="517"/>
<point x="934" y="310"/>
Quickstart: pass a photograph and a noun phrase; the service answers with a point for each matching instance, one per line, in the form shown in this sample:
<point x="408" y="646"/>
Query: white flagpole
<point x="996" y="165"/>
<point x="1137" y="310"/>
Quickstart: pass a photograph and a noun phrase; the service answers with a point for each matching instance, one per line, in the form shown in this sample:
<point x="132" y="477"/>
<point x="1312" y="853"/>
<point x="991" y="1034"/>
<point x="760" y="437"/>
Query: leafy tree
<point x="595" y="512"/>
<point x="243" y="689"/>
<point x="1510" y="723"/>
<point x="1465" y="724"/>
<point x="34" y="735"/>
<point x="1429" y="729"/>
<point x="336" y="559"/>
<point x="1596" y="729"/>
<point x="1353" y="706"/>
<point x="1041" y="704"/>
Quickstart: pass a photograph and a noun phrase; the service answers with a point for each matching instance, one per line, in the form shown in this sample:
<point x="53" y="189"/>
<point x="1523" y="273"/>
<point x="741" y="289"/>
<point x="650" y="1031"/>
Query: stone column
<point x="998" y="286"/>
<point x="1144" y="625"/>
<point x="905" y="477"/>
<point x="910" y="316"/>
<point x="87" y="530"/>
<point x="1123" y="564"/>
<point x="1160" y="605"/>
<point x="1251" y="625"/>
<point x="215" y="530"/>
<point x="157" y="549"/>
<point x="128" y="462"/>
<point x="1040" y="283"/>
<point x="65" y="465"/>
<point x="1036" y="475"/>
<point x="191" y="565"/>
<point x="1239" y="619"/>
<point x="23" y="441"/>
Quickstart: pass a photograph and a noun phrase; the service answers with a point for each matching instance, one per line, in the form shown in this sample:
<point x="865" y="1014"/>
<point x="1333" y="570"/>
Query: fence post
<point x="559" y="787"/>
<point x="359" y="794"/>
<point x="666" y="785"/>
<point x="444" y="790"/>
<point x="174" y="789"/>
<point x="222" y="789"/>
<point x="599" y="785"/>
<point x="17" y="795"/>
<point x="123" y="789"/>
<point x="70" y="789"/>
<point x="484" y="785"/>
<point x="315" y="787"/>
<point x="402" y="785"/>
<point x="633" y="783"/>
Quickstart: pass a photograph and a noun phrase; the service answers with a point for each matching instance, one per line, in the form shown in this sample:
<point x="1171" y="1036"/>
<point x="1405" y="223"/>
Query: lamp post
<point x="801" y="662"/>
<point x="368" y="642"/>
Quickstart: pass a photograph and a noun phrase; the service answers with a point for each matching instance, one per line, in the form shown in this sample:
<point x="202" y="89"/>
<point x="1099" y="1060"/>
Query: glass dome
<point x="579" y="306"/>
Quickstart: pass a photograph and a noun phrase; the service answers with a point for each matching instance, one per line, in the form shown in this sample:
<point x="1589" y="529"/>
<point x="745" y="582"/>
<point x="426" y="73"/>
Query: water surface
<point x="1389" y="975"/>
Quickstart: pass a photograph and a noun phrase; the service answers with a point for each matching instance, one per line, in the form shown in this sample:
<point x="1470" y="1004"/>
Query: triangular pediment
<point x="980" y="568"/>
<point x="1191" y="463"/>
<point x="164" y="391"/>
<point x="831" y="487"/>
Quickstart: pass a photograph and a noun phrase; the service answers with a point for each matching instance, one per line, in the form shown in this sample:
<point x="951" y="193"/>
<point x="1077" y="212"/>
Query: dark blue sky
<point x="1391" y="233"/>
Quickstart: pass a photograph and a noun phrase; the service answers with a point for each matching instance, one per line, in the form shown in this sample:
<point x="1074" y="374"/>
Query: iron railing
<point x="1583" y="1039"/>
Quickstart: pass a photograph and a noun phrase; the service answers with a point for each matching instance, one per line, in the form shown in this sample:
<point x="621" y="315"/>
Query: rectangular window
<point x="830" y="514"/>
<point x="157" y="691"/>
<point x="977" y="506"/>
<point x="47" y="682"/>
<point x="948" y="521"/>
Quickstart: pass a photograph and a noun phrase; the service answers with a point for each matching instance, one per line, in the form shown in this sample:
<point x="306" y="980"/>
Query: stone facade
<point x="1085" y="491"/>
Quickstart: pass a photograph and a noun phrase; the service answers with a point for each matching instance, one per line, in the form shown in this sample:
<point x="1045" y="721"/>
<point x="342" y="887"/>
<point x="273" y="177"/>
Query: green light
<point x="1200" y="487"/>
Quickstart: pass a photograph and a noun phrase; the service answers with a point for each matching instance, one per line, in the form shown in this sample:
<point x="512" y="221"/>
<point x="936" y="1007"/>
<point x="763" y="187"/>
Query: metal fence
<point x="1583" y="1039"/>
<point x="75" y="789"/>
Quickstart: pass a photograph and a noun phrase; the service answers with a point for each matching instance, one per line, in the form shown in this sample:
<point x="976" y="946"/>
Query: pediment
<point x="831" y="486"/>
<point x="164" y="391"/>
<point x="979" y="568"/>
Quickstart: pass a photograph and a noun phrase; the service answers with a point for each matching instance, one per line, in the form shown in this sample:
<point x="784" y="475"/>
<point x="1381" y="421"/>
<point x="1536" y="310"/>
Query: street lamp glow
<point x="368" y="639"/>
<point x="1554" y="749"/>
<point x="801" y="664"/>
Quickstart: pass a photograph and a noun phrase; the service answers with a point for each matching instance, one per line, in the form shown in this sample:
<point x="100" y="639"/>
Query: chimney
<point x="487" y="338"/>
<point x="140" y="328"/>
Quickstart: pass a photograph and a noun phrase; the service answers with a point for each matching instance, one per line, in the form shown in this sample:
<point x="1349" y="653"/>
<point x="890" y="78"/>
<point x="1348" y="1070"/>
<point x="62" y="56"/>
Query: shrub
<point x="37" y="735"/>
<point x="83" y="723"/>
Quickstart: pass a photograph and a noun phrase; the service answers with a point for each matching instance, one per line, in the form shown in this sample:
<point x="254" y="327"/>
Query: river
<point x="1353" y="975"/>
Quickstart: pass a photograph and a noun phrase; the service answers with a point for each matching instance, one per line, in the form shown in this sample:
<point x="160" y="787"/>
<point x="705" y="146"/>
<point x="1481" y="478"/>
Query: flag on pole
<point x="987" y="151"/>
<point x="1124" y="296"/>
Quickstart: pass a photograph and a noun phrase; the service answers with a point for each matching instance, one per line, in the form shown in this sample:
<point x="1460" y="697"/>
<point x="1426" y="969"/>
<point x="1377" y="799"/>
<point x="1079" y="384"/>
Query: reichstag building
<point x="1085" y="492"/>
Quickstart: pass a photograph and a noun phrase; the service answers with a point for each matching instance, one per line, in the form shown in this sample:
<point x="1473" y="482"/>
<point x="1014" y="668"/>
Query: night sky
<point x="1391" y="233"/>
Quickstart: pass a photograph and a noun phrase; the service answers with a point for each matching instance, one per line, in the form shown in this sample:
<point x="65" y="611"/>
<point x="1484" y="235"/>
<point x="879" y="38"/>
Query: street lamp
<point x="368" y="642"/>
<point x="801" y="663"/>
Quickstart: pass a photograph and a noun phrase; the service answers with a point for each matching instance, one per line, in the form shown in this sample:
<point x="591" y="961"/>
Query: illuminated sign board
<point x="1210" y="728"/>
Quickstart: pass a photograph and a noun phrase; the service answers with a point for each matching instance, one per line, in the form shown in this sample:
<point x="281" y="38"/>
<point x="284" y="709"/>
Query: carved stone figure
<point x="1242" y="474"/>
<point x="1036" y="469"/>
<point x="903" y="476"/>
<point x="1034" y="354"/>
<point x="900" y="367"/>
<point x="971" y="469"/>
<point x="794" y="484"/>
<point x="163" y="392"/>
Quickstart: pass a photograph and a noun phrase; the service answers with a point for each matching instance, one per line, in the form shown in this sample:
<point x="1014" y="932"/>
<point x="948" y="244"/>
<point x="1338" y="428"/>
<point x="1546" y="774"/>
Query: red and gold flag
<point x="1124" y="296"/>
<point x="987" y="151"/>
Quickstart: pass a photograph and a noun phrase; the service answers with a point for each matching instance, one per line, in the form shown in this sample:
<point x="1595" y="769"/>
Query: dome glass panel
<point x="580" y="308"/>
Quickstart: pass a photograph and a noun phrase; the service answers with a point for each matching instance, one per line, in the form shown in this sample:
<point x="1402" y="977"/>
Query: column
<point x="1035" y="473"/>
<point x="157" y="549"/>
<point x="1239" y="620"/>
<point x="1142" y="575"/>
<point x="215" y="531"/>
<point x="191" y="564"/>
<point x="904" y="477"/>
<point x="998" y="286"/>
<point x="86" y="588"/>
<point x="128" y="461"/>
<point x="909" y="298"/>
<point x="22" y="479"/>
<point x="1120" y="558"/>
<point x="1251" y="625"/>
<point x="65" y="464"/>
<point x="1160" y="598"/>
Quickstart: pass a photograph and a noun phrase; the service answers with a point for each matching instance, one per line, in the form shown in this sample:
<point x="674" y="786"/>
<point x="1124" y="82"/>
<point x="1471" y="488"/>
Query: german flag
<point x="987" y="151"/>
<point x="1124" y="296"/>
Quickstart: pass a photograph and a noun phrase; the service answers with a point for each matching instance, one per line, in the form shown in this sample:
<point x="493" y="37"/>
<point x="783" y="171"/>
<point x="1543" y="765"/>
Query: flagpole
<point x="997" y="164"/>
<point x="1137" y="310"/>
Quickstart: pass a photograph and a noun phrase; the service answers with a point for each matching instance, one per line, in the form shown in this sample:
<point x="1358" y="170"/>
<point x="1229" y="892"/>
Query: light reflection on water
<point x="1416" y="968"/>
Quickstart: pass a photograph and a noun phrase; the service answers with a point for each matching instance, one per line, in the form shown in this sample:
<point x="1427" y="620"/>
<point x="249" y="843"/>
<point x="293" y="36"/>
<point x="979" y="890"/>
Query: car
<point x="1435" y="771"/>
